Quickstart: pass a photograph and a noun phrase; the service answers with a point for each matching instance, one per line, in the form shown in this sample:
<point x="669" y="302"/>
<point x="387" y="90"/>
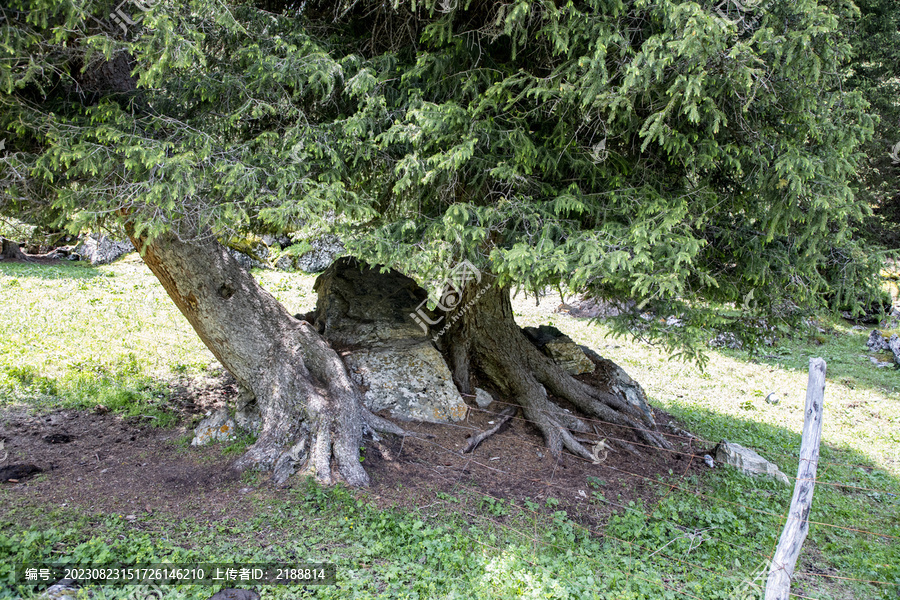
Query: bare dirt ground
<point x="109" y="464"/>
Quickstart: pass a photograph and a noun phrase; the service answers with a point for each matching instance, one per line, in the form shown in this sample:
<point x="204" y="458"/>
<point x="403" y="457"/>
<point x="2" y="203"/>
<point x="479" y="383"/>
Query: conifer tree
<point x="663" y="152"/>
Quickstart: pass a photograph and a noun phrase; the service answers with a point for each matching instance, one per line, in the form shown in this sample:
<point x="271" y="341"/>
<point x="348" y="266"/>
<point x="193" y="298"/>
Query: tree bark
<point x="485" y="338"/>
<point x="10" y="250"/>
<point x="311" y="413"/>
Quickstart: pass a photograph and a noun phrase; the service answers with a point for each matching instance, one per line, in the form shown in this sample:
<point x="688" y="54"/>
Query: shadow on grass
<point x="50" y="270"/>
<point x="782" y="446"/>
<point x="853" y="521"/>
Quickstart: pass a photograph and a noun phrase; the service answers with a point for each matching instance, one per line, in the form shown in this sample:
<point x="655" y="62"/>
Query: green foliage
<point x="875" y="35"/>
<point x="646" y="150"/>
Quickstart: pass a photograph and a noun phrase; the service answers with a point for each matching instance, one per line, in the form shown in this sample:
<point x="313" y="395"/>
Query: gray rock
<point x="482" y="398"/>
<point x="101" y="250"/>
<point x="560" y="348"/>
<point x="324" y="251"/>
<point x="619" y="382"/>
<point x="877" y="342"/>
<point x="726" y="340"/>
<point x="360" y="305"/>
<point x="894" y="346"/>
<point x="246" y="413"/>
<point x="411" y="381"/>
<point x="64" y="589"/>
<point x="245" y="260"/>
<point x="569" y="356"/>
<point x="286" y="263"/>
<point x="880" y="364"/>
<point x="748" y="461"/>
<point x="594" y="308"/>
<point x="217" y="427"/>
<point x="367" y="313"/>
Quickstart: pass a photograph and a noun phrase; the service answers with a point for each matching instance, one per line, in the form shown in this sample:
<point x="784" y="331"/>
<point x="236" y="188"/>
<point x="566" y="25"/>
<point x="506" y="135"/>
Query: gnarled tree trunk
<point x="485" y="338"/>
<point x="310" y="411"/>
<point x="10" y="250"/>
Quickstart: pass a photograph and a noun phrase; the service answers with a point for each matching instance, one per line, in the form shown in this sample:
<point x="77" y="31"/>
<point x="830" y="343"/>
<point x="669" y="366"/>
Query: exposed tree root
<point x="487" y="338"/>
<point x="505" y="415"/>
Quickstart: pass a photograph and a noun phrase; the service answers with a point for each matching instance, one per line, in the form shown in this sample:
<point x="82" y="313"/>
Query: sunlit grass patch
<point x="76" y="336"/>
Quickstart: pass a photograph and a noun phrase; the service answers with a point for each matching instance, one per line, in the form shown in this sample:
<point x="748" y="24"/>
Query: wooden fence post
<point x="778" y="585"/>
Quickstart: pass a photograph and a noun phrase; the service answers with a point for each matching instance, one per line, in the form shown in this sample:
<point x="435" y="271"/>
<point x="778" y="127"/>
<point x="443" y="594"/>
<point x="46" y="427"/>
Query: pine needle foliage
<point x="647" y="149"/>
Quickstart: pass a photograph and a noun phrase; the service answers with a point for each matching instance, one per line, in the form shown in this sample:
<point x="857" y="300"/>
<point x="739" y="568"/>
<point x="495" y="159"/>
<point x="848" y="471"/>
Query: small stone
<point x="130" y="517"/>
<point x="482" y="398"/>
<point x="773" y="398"/>
<point x="217" y="427"/>
<point x="65" y="589"/>
<point x="709" y="461"/>
<point x="726" y="340"/>
<point x="101" y="250"/>
<point x="748" y="461"/>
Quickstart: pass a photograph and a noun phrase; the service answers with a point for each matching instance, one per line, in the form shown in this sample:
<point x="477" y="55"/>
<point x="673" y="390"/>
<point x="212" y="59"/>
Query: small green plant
<point x="238" y="445"/>
<point x="494" y="506"/>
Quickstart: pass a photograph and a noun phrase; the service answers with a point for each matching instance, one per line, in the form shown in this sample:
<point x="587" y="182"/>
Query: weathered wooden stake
<point x="796" y="527"/>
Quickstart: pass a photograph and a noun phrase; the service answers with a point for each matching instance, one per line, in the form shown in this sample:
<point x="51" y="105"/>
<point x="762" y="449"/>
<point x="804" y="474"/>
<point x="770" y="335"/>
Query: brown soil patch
<point x="514" y="466"/>
<point x="107" y="464"/>
<point x="33" y="259"/>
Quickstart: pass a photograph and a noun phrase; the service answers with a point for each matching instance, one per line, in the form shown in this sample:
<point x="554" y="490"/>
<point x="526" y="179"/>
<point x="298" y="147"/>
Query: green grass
<point x="75" y="336"/>
<point x="479" y="551"/>
<point x="860" y="453"/>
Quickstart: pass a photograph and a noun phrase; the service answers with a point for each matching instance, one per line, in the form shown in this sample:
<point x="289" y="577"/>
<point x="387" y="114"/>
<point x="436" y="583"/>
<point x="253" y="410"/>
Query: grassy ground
<point x="75" y="336"/>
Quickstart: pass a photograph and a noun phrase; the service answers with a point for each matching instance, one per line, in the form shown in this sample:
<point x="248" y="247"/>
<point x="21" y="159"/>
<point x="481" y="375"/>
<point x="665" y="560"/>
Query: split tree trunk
<point x="486" y="338"/>
<point x="311" y="412"/>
